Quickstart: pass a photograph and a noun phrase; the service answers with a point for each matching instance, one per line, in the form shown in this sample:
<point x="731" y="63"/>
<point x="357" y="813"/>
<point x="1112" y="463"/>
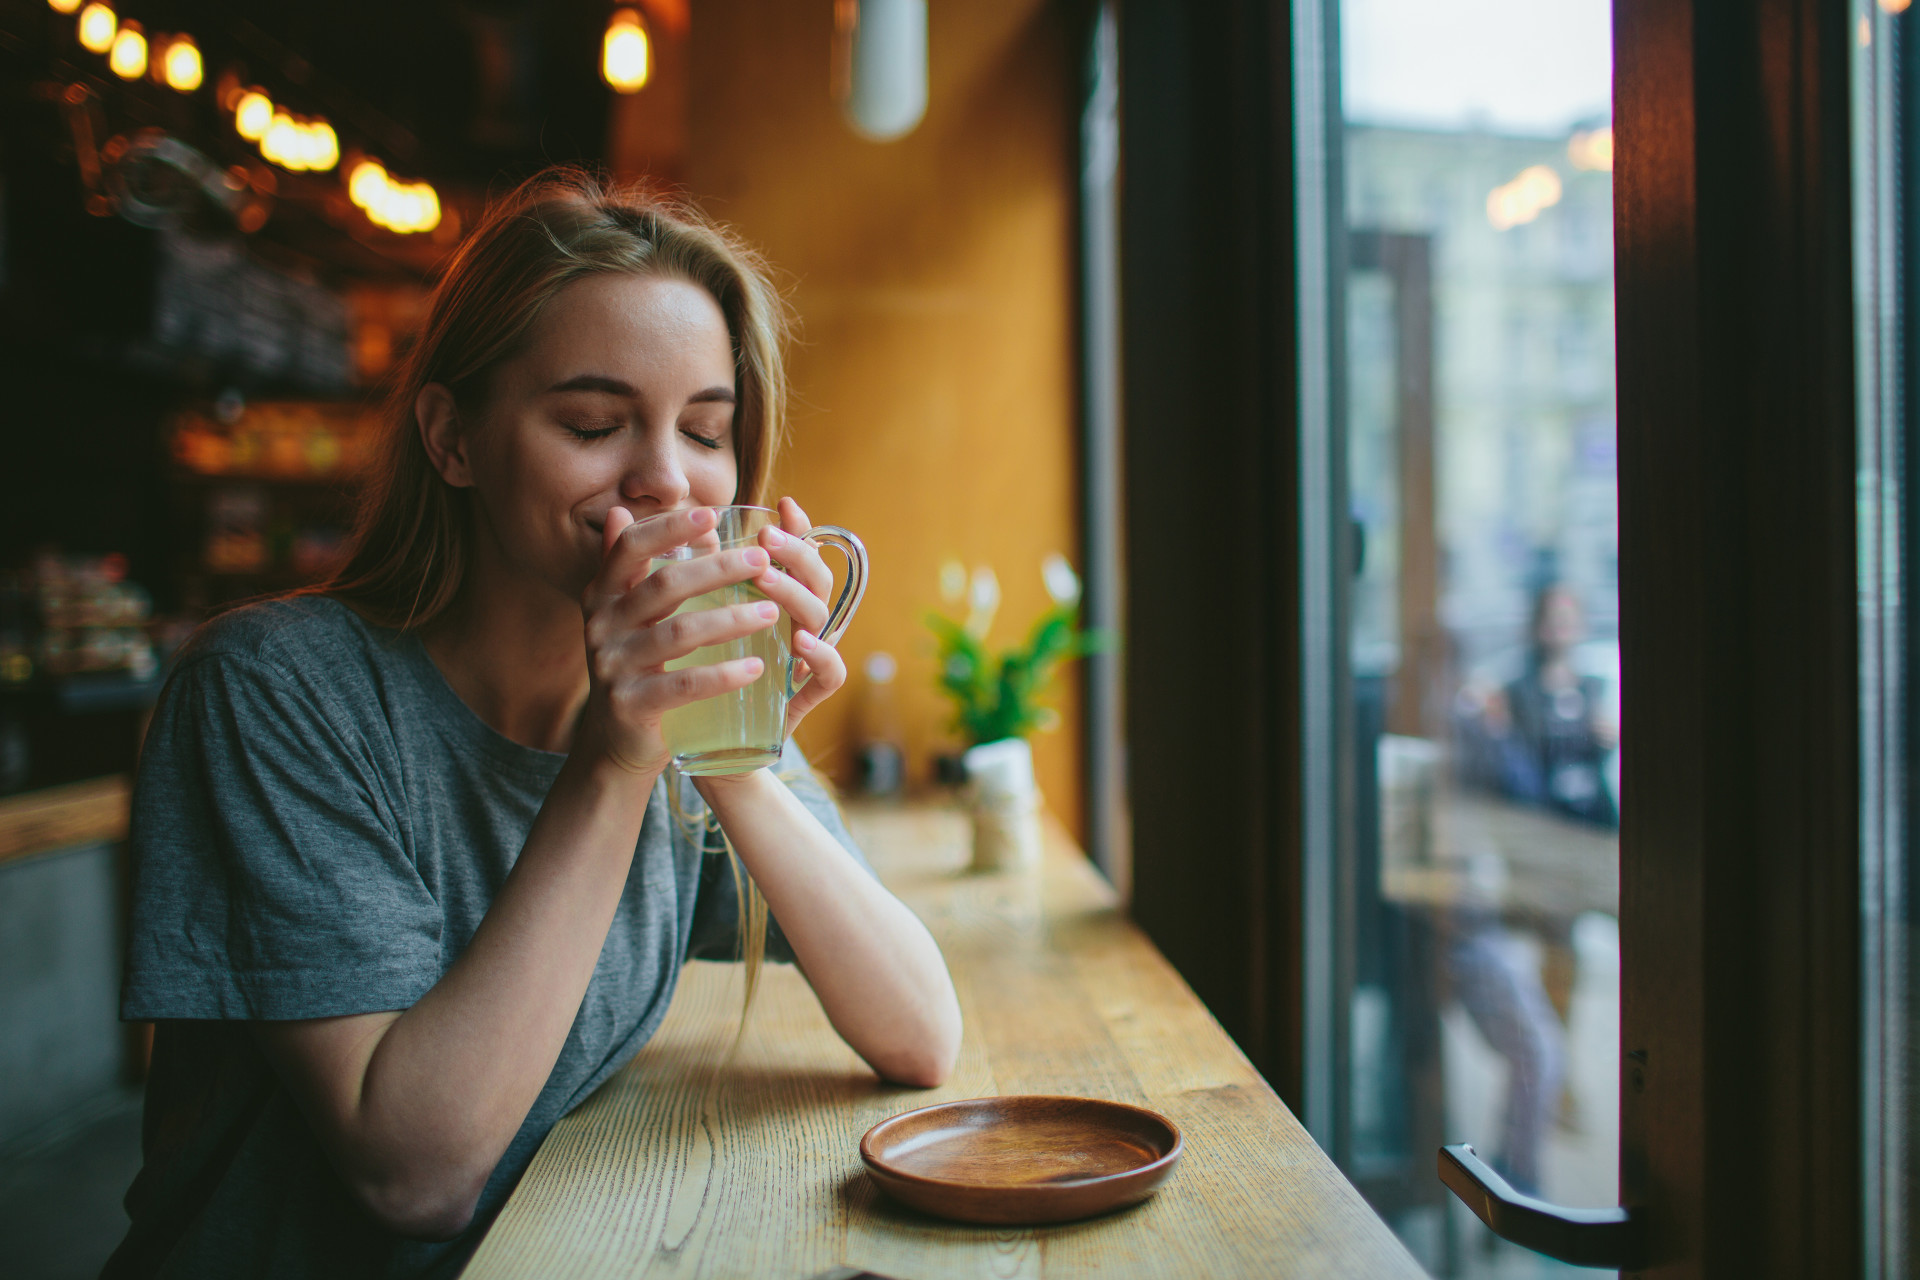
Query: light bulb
<point x="626" y="55"/>
<point x="97" y="25"/>
<point x="282" y="143"/>
<point x="429" y="209"/>
<point x="325" y="146"/>
<point x="182" y="64"/>
<point x="365" y="183"/>
<point x="886" y="66"/>
<point x="129" y="56"/>
<point x="253" y="115"/>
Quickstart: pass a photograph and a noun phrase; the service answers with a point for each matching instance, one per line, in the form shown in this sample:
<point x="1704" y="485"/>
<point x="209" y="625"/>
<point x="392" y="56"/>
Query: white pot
<point x="1005" y="803"/>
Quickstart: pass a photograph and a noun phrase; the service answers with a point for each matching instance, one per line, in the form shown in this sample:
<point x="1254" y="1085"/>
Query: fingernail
<point x="767" y="609"/>
<point x="756" y="558"/>
<point x="804" y="640"/>
<point x="702" y="515"/>
<point x="768" y="578"/>
<point x="776" y="538"/>
<point x="756" y="666"/>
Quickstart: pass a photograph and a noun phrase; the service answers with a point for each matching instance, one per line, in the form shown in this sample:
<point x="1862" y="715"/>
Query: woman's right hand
<point x="632" y="632"/>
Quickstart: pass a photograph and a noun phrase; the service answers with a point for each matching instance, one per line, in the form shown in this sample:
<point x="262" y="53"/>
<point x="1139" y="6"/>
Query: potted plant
<point x="997" y="702"/>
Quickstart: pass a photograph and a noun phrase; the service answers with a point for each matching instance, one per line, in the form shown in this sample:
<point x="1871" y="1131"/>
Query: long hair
<point x="412" y="539"/>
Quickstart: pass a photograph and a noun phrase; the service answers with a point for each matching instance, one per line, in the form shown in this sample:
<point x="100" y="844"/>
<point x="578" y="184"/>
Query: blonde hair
<point x="411" y="540"/>
<point x="412" y="537"/>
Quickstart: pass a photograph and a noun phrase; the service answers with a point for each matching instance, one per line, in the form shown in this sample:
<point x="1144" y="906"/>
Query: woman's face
<point x="623" y="396"/>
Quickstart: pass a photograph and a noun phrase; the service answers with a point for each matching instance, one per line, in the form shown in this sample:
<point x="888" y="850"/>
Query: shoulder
<point x="306" y="657"/>
<point x="293" y="634"/>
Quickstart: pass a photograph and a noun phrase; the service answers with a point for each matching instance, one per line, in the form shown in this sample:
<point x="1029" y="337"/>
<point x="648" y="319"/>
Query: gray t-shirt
<point x="319" y="825"/>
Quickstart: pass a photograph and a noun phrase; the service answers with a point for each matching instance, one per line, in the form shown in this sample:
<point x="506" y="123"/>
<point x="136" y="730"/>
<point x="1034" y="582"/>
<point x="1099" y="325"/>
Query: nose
<point x="651" y="474"/>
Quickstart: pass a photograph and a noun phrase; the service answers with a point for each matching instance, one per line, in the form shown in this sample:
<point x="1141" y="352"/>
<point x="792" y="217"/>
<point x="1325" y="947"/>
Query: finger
<point x="685" y="633"/>
<point x="674" y="583"/>
<point x="793" y="519"/>
<point x="629" y="549"/>
<point x="665" y="690"/>
<point x="829" y="675"/>
<point x="801" y="559"/>
<point x="618" y="518"/>
<point x="803" y="606"/>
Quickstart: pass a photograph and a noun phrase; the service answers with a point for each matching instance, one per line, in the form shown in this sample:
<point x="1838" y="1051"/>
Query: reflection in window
<point x="1483" y="613"/>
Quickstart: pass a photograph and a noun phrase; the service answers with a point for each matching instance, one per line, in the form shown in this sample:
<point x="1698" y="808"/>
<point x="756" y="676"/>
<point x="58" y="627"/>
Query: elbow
<point x="421" y="1208"/>
<point x="919" y="1073"/>
<point x="928" y="1061"/>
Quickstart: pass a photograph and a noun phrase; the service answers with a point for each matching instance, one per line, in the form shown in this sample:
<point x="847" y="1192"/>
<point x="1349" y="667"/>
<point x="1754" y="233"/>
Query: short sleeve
<point x="716" y="918"/>
<point x="272" y="878"/>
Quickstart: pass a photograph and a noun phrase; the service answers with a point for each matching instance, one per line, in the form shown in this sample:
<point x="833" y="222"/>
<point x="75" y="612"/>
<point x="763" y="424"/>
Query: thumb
<point x="618" y="518"/>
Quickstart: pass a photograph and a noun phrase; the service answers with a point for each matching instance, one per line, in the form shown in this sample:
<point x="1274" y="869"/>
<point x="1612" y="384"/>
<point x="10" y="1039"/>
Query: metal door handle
<point x="1613" y="1238"/>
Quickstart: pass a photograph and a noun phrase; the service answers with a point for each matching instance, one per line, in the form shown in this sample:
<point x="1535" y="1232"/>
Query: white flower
<point x="1063" y="584"/>
<point x="983" y="601"/>
<point x="953" y="581"/>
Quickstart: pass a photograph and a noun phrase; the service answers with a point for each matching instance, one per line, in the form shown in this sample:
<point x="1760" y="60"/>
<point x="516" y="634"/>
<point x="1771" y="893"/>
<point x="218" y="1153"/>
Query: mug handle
<point x="848" y="544"/>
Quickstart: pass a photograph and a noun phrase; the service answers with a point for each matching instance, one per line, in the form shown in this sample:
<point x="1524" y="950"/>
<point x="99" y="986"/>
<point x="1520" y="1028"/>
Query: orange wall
<point x="934" y="373"/>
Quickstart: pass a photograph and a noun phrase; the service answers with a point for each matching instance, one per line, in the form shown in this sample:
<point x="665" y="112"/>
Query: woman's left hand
<point x="803" y="591"/>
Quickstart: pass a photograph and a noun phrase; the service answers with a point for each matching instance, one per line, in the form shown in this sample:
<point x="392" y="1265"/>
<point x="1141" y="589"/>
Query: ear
<point x="442" y="434"/>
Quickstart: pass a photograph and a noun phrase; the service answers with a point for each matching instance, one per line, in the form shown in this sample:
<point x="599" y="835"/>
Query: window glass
<point x="1477" y="409"/>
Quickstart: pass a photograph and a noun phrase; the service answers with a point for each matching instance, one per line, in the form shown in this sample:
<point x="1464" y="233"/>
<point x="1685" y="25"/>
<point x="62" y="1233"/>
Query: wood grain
<point x="687" y="1163"/>
<point x="60" y="817"/>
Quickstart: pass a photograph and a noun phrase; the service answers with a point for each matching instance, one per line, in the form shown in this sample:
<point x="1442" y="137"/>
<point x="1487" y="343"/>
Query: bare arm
<point x="876" y="969"/>
<point x="415" y="1108"/>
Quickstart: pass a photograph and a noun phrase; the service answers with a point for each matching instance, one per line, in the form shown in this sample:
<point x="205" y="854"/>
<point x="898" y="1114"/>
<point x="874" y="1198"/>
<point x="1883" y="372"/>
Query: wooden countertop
<point x="37" y="822"/>
<point x="687" y="1164"/>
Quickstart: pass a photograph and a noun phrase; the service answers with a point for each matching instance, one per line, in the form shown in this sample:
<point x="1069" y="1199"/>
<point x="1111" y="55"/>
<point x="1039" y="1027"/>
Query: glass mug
<point x="744" y="730"/>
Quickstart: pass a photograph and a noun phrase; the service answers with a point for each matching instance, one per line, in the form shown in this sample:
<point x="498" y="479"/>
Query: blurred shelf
<point x="37" y="822"/>
<point x="90" y="691"/>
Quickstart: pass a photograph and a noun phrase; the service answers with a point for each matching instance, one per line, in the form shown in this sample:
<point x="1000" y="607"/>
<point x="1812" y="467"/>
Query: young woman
<point x="410" y="884"/>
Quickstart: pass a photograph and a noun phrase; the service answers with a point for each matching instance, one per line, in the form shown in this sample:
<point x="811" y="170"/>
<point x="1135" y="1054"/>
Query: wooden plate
<point x="1022" y="1159"/>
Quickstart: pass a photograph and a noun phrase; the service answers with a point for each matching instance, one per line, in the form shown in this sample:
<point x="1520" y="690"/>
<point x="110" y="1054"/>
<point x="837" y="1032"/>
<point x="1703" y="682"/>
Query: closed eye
<point x="595" y="429"/>
<point x="711" y="442"/>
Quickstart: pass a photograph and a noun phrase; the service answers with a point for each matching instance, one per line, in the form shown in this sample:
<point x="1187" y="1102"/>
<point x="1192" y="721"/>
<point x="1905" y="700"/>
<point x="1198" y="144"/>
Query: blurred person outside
<point x="1545" y="739"/>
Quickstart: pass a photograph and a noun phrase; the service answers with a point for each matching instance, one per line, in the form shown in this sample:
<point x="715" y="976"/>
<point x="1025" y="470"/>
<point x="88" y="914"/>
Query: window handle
<point x="1612" y="1238"/>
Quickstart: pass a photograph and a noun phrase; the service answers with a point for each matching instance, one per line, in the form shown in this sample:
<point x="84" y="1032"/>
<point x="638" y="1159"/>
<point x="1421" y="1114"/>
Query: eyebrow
<point x="614" y="386"/>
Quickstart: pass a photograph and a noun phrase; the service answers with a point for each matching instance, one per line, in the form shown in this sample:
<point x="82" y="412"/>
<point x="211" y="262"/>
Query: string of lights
<point x="295" y="142"/>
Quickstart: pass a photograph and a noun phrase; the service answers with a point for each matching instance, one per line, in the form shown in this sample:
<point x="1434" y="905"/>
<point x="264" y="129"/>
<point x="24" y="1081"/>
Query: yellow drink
<point x="743" y="730"/>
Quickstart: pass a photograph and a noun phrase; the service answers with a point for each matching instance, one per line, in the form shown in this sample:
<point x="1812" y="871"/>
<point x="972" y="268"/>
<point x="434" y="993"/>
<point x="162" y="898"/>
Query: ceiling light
<point x="626" y="54"/>
<point x="97" y="25"/>
<point x="182" y="64"/>
<point x="253" y="115"/>
<point x="129" y="52"/>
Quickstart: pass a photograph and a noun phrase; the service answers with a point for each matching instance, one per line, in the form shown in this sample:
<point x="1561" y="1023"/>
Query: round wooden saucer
<point x="1022" y="1159"/>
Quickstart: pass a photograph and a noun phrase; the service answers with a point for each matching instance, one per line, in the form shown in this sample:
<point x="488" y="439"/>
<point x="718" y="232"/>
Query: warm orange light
<point x="1592" y="149"/>
<point x="1894" y="6"/>
<point x="253" y="115"/>
<point x="63" y="6"/>
<point x="182" y="63"/>
<point x="282" y="143"/>
<point x="97" y="25"/>
<point x="1521" y="200"/>
<point x="366" y="182"/>
<point x="323" y="146"/>
<point x="626" y="55"/>
<point x="403" y="207"/>
<point x="129" y="52"/>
